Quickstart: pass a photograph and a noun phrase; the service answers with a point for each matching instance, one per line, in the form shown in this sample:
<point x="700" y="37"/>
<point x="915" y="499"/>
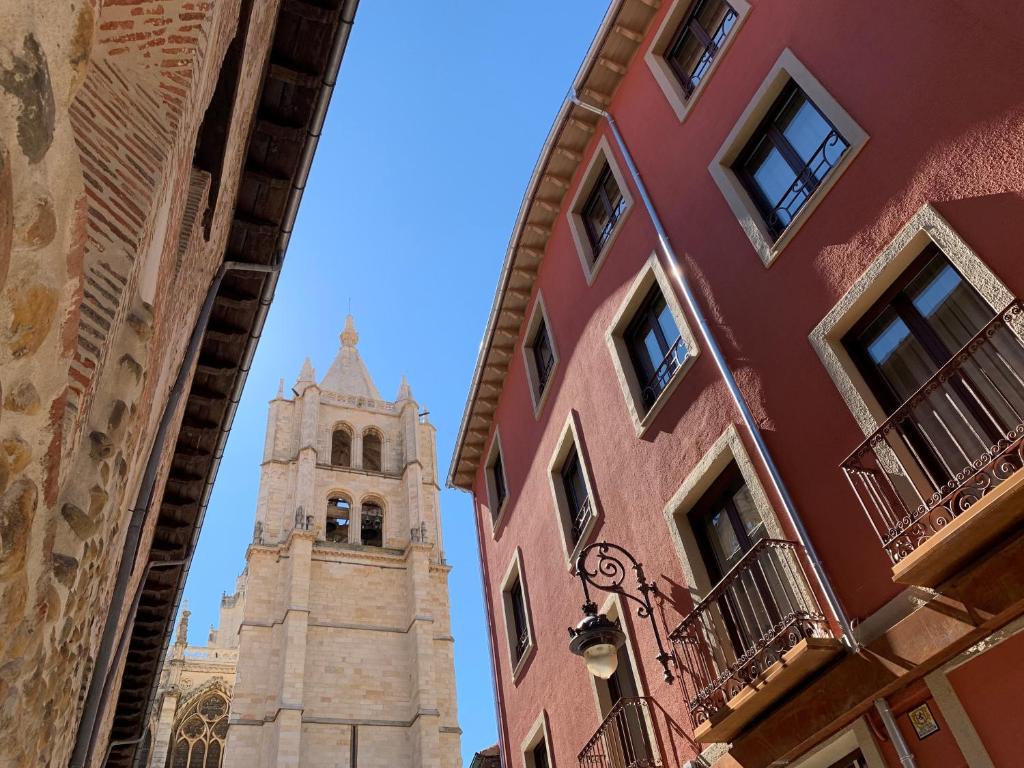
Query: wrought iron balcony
<point x="663" y="375"/>
<point x="623" y="740"/>
<point x="955" y="441"/>
<point x="758" y="633"/>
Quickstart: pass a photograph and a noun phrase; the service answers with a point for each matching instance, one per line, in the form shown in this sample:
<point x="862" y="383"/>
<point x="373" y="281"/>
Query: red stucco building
<point x="757" y="325"/>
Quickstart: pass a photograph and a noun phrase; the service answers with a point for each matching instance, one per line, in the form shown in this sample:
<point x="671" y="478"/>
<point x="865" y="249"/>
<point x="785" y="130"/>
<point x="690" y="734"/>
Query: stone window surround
<point x="589" y="261"/>
<point x="925" y="227"/>
<point x="857" y="735"/>
<point x="949" y="704"/>
<point x="570" y="438"/>
<point x="514" y="571"/>
<point x="539" y="730"/>
<point x="497" y="513"/>
<point x="655" y="55"/>
<point x="751" y="220"/>
<point x="357" y="447"/>
<point x="537" y="314"/>
<point x="727" y="448"/>
<point x="355" y="530"/>
<point x="650" y="273"/>
<point x="612" y="608"/>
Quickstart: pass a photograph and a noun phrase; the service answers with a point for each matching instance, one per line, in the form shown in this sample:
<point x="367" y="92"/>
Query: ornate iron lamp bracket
<point x="608" y="575"/>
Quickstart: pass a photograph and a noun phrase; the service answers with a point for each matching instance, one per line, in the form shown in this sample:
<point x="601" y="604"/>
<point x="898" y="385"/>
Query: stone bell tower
<point x="345" y="645"/>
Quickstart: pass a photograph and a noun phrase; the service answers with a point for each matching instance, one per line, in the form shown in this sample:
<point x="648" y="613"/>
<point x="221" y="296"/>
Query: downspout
<point x="491" y="636"/>
<point x="895" y="734"/>
<point x="730" y="381"/>
<point x="97" y="694"/>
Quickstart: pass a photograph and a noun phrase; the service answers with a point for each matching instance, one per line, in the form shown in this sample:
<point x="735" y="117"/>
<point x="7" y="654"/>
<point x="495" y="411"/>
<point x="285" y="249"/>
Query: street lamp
<point x="597" y="638"/>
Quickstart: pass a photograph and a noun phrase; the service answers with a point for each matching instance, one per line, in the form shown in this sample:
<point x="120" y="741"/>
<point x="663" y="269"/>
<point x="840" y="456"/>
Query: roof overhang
<point x="616" y="42"/>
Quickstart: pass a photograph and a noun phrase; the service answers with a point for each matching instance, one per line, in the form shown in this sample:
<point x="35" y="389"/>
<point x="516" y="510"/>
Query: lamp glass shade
<point x="602" y="659"/>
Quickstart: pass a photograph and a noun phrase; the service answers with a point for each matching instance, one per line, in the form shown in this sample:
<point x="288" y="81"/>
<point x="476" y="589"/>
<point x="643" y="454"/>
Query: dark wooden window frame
<point x="497" y="472"/>
<point x="542" y="341"/>
<point x="573" y="465"/>
<point x="598" y="196"/>
<point x="646" y="319"/>
<point x="767" y="129"/>
<point x="520" y="625"/>
<point x="691" y="24"/>
<point x="540" y="754"/>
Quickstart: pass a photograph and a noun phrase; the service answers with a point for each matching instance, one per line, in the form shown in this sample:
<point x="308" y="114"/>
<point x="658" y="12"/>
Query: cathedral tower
<point x="345" y="645"/>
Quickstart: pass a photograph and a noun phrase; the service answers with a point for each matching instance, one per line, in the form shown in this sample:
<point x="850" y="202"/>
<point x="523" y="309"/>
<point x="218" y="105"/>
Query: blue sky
<point x="432" y="134"/>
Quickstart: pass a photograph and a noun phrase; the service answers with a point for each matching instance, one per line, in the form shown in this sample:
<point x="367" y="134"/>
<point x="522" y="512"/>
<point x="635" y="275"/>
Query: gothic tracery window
<point x="199" y="734"/>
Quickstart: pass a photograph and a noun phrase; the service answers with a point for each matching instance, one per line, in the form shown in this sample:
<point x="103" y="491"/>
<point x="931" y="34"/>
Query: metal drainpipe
<point x="730" y="381"/>
<point x="895" y="734"/>
<point x="491" y="636"/>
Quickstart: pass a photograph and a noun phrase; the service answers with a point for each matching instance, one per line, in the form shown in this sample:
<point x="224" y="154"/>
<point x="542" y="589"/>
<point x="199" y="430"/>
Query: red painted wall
<point x="937" y="87"/>
<point x="989" y="688"/>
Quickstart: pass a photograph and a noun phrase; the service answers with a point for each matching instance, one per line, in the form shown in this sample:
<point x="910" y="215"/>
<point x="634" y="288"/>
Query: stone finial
<point x="404" y="390"/>
<point x="350" y="336"/>
<point x="280" y="390"/>
<point x="182" y="638"/>
<point x="307" y="373"/>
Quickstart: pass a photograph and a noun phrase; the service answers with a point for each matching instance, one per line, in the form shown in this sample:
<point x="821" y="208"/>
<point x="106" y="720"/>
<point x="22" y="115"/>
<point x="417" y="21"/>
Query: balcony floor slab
<point x="966" y="536"/>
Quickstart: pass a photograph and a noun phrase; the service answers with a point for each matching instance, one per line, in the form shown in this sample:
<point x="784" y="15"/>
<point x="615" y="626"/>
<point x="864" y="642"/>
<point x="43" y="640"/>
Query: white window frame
<point x="538" y="314"/>
<point x="539" y="730"/>
<point x="652" y="272"/>
<point x="926" y="227"/>
<point x="497" y="511"/>
<point x="569" y="439"/>
<point x="664" y="75"/>
<point x="592" y="262"/>
<point x="750" y="218"/>
<point x="514" y="571"/>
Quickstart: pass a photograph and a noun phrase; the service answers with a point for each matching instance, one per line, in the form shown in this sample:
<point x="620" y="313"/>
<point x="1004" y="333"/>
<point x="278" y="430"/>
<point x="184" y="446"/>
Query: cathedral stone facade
<point x="345" y="645"/>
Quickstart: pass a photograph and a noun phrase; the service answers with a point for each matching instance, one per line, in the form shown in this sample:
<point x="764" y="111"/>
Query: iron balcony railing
<point x="623" y="740"/>
<point x="761" y="609"/>
<point x="955" y="440"/>
<point x="664" y="372"/>
<point x="824" y="159"/>
<point x="580" y="518"/>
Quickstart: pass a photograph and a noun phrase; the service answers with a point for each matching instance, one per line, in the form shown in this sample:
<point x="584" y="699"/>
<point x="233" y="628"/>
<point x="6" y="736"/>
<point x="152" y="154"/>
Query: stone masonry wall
<point x="100" y="105"/>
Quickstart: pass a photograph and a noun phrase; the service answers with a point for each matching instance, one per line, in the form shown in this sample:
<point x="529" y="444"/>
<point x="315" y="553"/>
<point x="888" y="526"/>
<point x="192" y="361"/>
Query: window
<point x="691" y="41"/>
<point x="199" y="733"/>
<point x="371" y="524"/>
<point x="726" y="523"/>
<point x="539" y="354"/>
<point x="572" y="490"/>
<point x="651" y="345"/>
<point x="914" y="329"/>
<point x="600" y="204"/>
<point x="655" y="345"/>
<point x="339" y="517"/>
<point x="543" y="356"/>
<point x="698" y="40"/>
<point x="515" y="605"/>
<point x="602" y="210"/>
<point x="535" y="747"/>
<point x="372" y="451"/>
<point x="497" y="484"/>
<point x="576" y="495"/>
<point x="788" y="156"/>
<point x="540" y="755"/>
<point x="341" y="447"/>
<point x="520" y="629"/>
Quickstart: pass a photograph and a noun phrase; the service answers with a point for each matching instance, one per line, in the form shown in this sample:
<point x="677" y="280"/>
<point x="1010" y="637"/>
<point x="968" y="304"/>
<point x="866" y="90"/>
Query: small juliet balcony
<point x="623" y="740"/>
<point x="757" y="635"/>
<point x="940" y="480"/>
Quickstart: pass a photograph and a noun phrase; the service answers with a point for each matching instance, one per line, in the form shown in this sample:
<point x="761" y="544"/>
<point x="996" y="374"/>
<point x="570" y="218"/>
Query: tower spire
<point x="350" y="336"/>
